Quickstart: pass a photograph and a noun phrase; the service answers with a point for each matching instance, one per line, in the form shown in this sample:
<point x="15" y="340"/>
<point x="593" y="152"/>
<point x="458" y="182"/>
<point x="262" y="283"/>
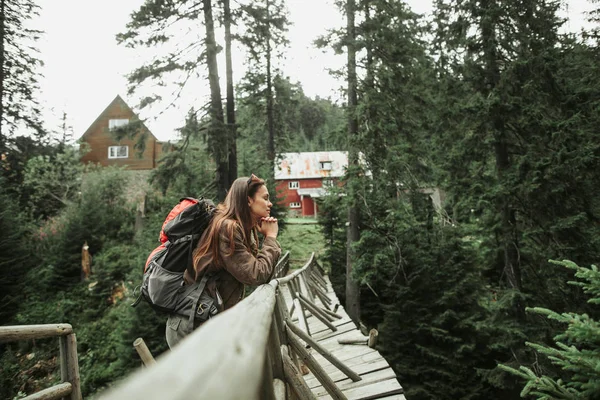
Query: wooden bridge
<point x="290" y="339"/>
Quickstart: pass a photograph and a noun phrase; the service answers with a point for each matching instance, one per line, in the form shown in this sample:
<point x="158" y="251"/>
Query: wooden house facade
<point x="105" y="149"/>
<point x="303" y="178"/>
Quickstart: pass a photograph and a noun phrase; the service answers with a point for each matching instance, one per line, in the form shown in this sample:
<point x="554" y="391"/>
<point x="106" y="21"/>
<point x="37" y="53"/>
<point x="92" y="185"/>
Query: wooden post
<point x="144" y="353"/>
<point x="279" y="389"/>
<point x="64" y="362"/>
<point x="73" y="367"/>
<point x="317" y="314"/>
<point x="373" y="334"/>
<point x="294" y="379"/>
<point x="316" y="369"/>
<point x="267" y="388"/>
<point x="326" y="313"/>
<point x="326" y="354"/>
<point x="274" y="349"/>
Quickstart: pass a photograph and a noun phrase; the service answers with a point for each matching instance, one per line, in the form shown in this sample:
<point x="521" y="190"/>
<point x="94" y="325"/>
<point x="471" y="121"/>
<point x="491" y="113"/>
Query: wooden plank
<point x="361" y="369"/>
<point x="344" y="354"/>
<point x="358" y="361"/>
<point x="52" y="393"/>
<point x="26" y="332"/>
<point x="373" y="391"/>
<point x="393" y="397"/>
<point x="325" y="353"/>
<point x="326" y="382"/>
<point x="368" y="379"/>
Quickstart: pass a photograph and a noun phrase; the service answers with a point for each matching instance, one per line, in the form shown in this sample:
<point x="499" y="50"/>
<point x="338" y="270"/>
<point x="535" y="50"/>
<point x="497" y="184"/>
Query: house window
<point x="327" y="183"/>
<point x="295" y="204"/>
<point x="294" y="185"/>
<point x="325" y="165"/>
<point x="118" y="151"/>
<point x="115" y="123"/>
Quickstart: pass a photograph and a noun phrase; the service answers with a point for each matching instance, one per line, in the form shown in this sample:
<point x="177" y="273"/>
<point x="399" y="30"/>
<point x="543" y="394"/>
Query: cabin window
<point x="327" y="183"/>
<point x="294" y="204"/>
<point x="115" y="123"/>
<point x="325" y="165"/>
<point x="294" y="185"/>
<point x="118" y="151"/>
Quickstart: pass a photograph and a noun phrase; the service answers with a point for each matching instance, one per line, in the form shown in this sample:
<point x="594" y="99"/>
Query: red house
<point x="304" y="177"/>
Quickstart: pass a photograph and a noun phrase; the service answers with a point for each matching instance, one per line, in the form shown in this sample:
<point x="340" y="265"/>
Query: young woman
<point x="228" y="250"/>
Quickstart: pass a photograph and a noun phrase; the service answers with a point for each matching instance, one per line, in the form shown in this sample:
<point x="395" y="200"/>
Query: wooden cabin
<point x="106" y="149"/>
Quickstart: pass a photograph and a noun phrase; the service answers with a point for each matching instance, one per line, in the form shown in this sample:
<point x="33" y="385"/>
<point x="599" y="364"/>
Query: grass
<point x="301" y="240"/>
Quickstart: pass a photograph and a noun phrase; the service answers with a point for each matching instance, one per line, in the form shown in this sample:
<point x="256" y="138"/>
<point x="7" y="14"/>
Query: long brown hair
<point x="232" y="212"/>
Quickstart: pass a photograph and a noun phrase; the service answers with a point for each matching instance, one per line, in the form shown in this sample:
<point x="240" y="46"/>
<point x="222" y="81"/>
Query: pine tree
<point x="575" y="350"/>
<point x="19" y="70"/>
<point x="158" y="23"/>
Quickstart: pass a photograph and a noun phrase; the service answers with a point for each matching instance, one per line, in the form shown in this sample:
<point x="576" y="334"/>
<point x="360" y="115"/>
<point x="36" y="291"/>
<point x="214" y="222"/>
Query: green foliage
<point x="19" y="82"/>
<point x="15" y="255"/>
<point x="301" y="240"/>
<point x="53" y="181"/>
<point x="575" y="351"/>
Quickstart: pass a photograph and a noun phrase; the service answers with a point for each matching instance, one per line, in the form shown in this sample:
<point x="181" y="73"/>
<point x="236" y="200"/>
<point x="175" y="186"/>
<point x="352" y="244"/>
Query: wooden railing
<point x="251" y="351"/>
<point x="69" y="388"/>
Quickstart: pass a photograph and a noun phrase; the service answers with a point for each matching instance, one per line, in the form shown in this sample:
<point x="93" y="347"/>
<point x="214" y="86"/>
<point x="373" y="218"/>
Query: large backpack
<point x="163" y="286"/>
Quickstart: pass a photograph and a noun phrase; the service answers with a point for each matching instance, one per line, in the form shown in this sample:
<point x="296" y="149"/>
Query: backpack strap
<point x="200" y="289"/>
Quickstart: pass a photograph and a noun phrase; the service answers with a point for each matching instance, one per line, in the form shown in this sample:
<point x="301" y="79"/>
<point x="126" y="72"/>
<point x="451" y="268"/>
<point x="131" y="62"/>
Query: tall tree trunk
<point x="218" y="133"/>
<point x="270" y="121"/>
<point x="2" y="76"/>
<point x="353" y="235"/>
<point x="230" y="98"/>
<point x="507" y="232"/>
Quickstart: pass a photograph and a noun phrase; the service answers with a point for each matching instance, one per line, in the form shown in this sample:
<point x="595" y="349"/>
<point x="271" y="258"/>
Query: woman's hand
<point x="268" y="226"/>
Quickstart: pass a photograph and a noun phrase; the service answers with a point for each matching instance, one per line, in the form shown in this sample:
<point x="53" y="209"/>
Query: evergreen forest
<point x="490" y="293"/>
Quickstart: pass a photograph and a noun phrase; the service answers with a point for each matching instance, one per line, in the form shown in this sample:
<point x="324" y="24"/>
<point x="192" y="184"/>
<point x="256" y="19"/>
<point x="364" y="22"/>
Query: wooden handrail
<point x="69" y="366"/>
<point x="26" y="332"/>
<point x="246" y="352"/>
<point x="223" y="360"/>
<point x="294" y="274"/>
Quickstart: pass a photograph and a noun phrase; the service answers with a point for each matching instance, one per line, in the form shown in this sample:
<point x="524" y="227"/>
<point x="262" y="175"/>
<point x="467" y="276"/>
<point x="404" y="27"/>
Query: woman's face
<point x="260" y="205"/>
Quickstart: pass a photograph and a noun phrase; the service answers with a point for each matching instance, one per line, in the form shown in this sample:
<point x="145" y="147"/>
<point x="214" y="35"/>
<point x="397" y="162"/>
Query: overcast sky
<point x="85" y="68"/>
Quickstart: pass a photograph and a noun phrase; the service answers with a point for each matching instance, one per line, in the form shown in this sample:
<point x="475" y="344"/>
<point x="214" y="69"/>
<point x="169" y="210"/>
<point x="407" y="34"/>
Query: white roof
<point x="309" y="165"/>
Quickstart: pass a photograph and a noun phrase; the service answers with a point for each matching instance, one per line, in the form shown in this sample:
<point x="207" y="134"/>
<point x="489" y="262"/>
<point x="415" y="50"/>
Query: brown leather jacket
<point x="245" y="266"/>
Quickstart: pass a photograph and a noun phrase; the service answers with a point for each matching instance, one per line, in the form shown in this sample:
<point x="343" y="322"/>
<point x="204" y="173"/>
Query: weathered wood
<point x="233" y="344"/>
<point x="316" y="369"/>
<point x="346" y="384"/>
<point x="73" y="367"/>
<point x="304" y="282"/>
<point x="315" y="312"/>
<point x="373" y="391"/>
<point x="267" y="389"/>
<point x="353" y="341"/>
<point x="52" y="393"/>
<point x="326" y="354"/>
<point x="294" y="274"/>
<point x="361" y="369"/>
<point x="320" y="310"/>
<point x="282" y="266"/>
<point x="301" y="317"/>
<point x="294" y="378"/>
<point x="373" y="335"/>
<point x="279" y="389"/>
<point x="274" y="350"/>
<point x="143" y="352"/>
<point x="63" y="358"/>
<point x="27" y="332"/>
